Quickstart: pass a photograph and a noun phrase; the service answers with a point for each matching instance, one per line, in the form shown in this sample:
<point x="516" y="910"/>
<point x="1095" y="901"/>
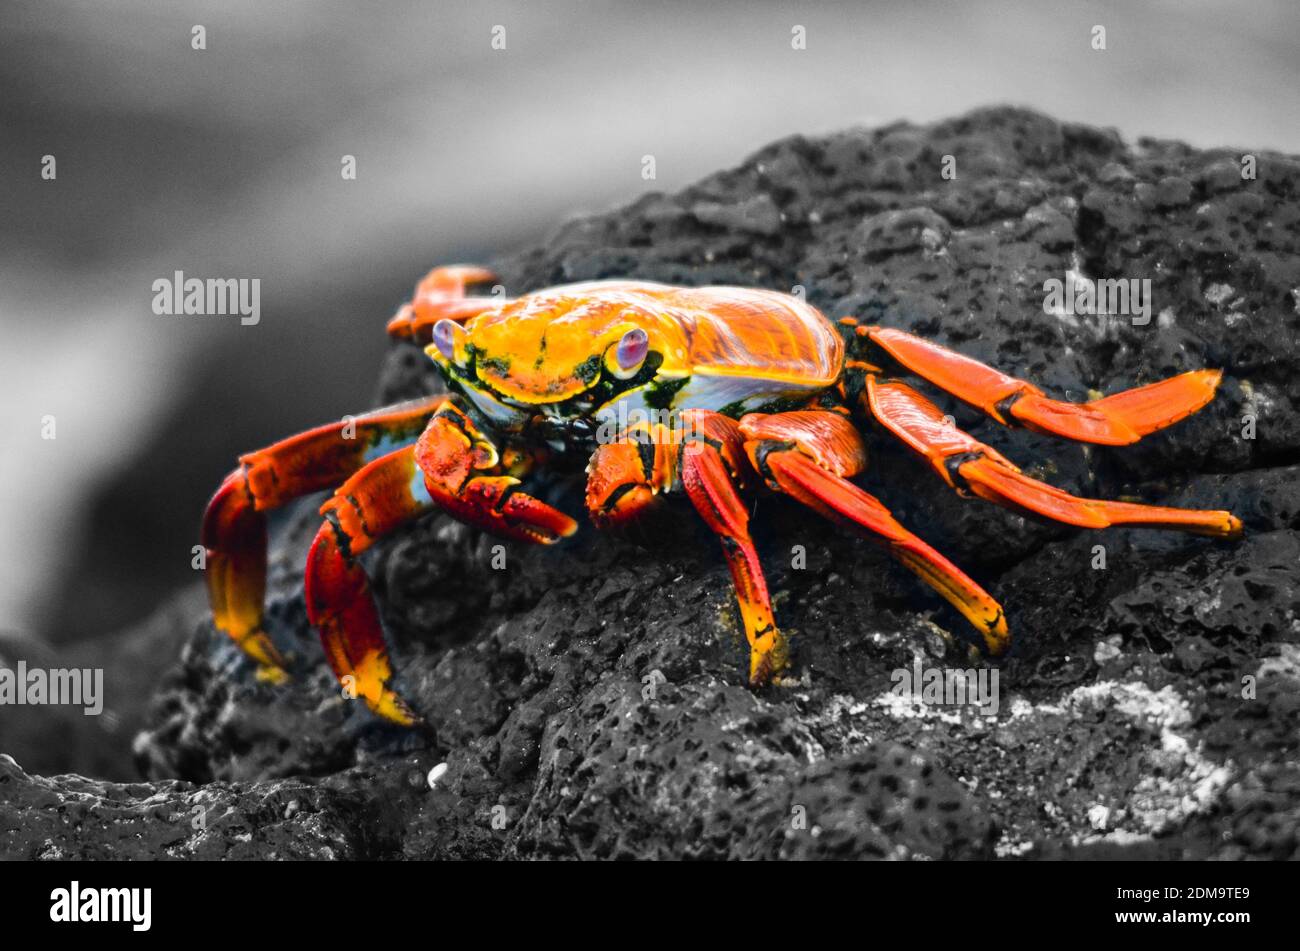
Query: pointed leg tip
<point x="761" y="670"/>
<point x="1209" y="378"/>
<point x="997" y="637"/>
<point x="766" y="663"/>
<point x="257" y="646"/>
<point x="388" y="705"/>
<point x="271" y="674"/>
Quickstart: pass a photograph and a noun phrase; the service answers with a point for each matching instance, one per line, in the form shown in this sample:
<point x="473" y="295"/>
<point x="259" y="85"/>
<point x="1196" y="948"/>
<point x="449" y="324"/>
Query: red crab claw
<point x="619" y="490"/>
<point x="450" y="451"/>
<point x="441" y="296"/>
<point x="1115" y="420"/>
<point x="966" y="463"/>
<point x="625" y="477"/>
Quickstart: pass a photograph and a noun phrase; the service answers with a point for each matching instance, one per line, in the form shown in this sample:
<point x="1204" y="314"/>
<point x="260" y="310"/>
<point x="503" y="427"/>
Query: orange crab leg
<point x="441" y="296"/>
<point x="966" y="463"/>
<point x="1115" y="420"/>
<point x="438" y="472"/>
<point x="234" y="525"/>
<point x="712" y="461"/>
<point x="705" y="457"/>
<point x="810" y="456"/>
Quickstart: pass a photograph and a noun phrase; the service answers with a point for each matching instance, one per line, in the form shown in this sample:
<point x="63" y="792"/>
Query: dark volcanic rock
<point x="70" y="817"/>
<point x="589" y="700"/>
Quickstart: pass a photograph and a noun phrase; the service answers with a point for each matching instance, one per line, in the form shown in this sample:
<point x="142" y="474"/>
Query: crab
<point x="712" y="393"/>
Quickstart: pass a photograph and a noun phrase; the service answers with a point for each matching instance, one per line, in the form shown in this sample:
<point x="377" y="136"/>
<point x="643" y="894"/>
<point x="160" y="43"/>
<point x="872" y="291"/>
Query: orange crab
<point x="708" y="391"/>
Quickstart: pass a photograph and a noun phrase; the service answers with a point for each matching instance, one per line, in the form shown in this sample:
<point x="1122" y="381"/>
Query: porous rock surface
<point x="588" y="700"/>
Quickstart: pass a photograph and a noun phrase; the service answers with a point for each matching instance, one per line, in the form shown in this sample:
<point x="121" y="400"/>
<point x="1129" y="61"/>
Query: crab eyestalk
<point x="450" y="339"/>
<point x="625" y="358"/>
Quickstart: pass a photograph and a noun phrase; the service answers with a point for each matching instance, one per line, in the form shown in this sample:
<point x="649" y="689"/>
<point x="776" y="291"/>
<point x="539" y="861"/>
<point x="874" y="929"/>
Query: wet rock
<point x="590" y="700"/>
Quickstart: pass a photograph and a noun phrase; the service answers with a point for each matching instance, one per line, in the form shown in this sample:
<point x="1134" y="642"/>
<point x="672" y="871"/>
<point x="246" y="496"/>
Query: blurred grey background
<point x="225" y="162"/>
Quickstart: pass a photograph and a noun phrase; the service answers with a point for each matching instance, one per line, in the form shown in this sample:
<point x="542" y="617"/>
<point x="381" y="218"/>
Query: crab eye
<point x="445" y="334"/>
<point x="631" y="352"/>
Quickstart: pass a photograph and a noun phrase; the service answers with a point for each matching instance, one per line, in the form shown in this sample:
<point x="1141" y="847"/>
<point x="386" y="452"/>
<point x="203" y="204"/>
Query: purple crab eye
<point x="444" y="336"/>
<point x="632" y="349"/>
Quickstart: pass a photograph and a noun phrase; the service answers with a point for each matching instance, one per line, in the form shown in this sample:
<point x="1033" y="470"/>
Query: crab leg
<point x="1115" y="420"/>
<point x="626" y="477"/>
<point x="441" y="295"/>
<point x="385" y="494"/>
<point x="967" y="464"/>
<point x="810" y="456"/>
<point x="452" y="467"/>
<point x="712" y="463"/>
<point x="234" y="525"/>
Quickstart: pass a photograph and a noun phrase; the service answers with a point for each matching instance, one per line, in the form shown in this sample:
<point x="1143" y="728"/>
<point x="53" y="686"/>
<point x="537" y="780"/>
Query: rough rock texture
<point x="589" y="700"/>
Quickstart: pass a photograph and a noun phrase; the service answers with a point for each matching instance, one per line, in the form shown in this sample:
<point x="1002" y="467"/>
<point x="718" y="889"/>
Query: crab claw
<point x="493" y="504"/>
<point x="393" y="490"/>
<point x="619" y="490"/>
<point x="450" y="452"/>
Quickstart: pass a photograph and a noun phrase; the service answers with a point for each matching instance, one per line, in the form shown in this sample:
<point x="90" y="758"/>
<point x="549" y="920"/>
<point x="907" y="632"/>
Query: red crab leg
<point x="441" y="295"/>
<point x="438" y="472"/>
<point x="234" y="526"/>
<point x="810" y="455"/>
<point x="966" y="463"/>
<point x="1113" y="420"/>
<point x="385" y="494"/>
<point x="712" y="462"/>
